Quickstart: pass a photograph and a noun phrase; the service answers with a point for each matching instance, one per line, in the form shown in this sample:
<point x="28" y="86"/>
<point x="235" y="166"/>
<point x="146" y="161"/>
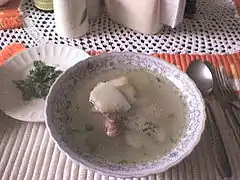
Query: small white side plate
<point x="17" y="68"/>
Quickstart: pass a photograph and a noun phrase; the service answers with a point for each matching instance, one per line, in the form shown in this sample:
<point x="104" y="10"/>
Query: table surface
<point x="27" y="151"/>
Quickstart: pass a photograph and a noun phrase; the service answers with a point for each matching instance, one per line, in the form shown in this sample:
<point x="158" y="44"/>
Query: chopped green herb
<point x="77" y="107"/>
<point x="38" y="82"/>
<point x="173" y="140"/>
<point x="75" y="130"/>
<point x="136" y="123"/>
<point x="171" y="115"/>
<point x="68" y="104"/>
<point x="123" y="161"/>
<point x="149" y="128"/>
<point x="92" y="148"/>
<point x="101" y="146"/>
<point x="148" y="133"/>
<point x="158" y="79"/>
<point x="88" y="127"/>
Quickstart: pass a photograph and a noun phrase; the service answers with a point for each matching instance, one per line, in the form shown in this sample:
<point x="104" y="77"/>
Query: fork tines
<point x="224" y="83"/>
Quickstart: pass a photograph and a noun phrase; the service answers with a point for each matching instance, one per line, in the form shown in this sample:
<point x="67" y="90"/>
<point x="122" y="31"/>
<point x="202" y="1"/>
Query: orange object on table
<point x="10" y="50"/>
<point x="237" y="3"/>
<point x="10" y="16"/>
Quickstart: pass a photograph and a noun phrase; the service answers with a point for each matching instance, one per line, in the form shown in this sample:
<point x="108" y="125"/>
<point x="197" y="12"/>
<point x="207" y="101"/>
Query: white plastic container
<point x="94" y="8"/>
<point x="146" y="16"/>
<point x="140" y="15"/>
<point x="71" y="18"/>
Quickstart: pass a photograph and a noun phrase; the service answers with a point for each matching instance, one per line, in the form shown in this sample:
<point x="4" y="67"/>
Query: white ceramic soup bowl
<point x="57" y="117"/>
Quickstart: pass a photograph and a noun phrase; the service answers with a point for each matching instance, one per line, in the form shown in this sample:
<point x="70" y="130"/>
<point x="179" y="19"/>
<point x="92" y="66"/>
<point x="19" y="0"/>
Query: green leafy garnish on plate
<point x="38" y="82"/>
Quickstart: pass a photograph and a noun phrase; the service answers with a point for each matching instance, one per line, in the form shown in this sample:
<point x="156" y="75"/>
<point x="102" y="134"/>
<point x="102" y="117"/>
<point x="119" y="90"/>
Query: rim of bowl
<point x="121" y="174"/>
<point x="45" y="46"/>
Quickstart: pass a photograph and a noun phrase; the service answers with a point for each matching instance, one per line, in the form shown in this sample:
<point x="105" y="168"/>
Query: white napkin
<point x="140" y="15"/>
<point x="146" y="16"/>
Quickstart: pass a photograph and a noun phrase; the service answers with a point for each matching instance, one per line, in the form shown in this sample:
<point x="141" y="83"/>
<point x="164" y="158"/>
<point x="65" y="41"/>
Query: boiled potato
<point x="123" y="85"/>
<point x="108" y="99"/>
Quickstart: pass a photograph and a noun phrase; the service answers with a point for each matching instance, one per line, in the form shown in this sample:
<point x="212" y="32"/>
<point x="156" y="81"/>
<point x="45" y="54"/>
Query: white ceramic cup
<point x="71" y="18"/>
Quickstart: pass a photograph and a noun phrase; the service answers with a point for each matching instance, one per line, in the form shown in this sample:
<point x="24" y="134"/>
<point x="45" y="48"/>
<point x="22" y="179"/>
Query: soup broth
<point x="153" y="125"/>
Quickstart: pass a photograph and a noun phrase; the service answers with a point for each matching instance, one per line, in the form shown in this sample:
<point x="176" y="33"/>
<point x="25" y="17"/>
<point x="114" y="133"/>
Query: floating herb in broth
<point x="38" y="82"/>
<point x="149" y="128"/>
<point x="123" y="161"/>
<point x="152" y="126"/>
<point x="88" y="127"/>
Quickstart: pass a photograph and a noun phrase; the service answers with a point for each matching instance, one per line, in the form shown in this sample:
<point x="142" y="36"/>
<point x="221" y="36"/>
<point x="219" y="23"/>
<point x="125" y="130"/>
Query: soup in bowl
<point x="125" y="114"/>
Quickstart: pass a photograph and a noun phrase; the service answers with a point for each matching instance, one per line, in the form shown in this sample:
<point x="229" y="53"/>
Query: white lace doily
<point x="214" y="29"/>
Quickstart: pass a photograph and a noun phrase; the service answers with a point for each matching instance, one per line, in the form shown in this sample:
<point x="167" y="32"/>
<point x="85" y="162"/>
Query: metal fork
<point x="228" y="96"/>
<point x="226" y="88"/>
